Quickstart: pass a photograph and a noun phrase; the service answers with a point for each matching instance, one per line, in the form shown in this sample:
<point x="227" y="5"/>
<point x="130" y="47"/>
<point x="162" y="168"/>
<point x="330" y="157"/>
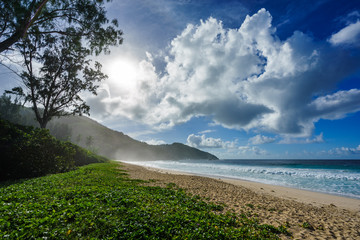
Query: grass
<point x="98" y="201"/>
<point x="250" y="205"/>
<point x="307" y="225"/>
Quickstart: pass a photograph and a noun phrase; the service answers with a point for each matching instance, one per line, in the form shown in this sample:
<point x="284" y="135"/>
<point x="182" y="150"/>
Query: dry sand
<point x="332" y="217"/>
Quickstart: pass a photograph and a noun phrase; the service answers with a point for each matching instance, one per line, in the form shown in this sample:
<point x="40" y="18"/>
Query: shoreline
<point x="304" y="196"/>
<point x="305" y="216"/>
<point x="318" y="199"/>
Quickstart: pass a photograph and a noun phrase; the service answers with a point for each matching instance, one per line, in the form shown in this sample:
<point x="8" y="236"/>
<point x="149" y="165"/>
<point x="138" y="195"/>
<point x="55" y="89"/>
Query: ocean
<point x="338" y="177"/>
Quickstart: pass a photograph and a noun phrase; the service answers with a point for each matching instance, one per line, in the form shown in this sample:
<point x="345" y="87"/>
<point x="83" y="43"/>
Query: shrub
<point x="31" y="152"/>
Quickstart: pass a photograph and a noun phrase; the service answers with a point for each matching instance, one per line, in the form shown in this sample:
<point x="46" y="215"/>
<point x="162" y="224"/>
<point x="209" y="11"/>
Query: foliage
<point x="29" y="152"/>
<point x="99" y="202"/>
<point x="89" y="141"/>
<point x="54" y="89"/>
<point x="78" y="138"/>
<point x="86" y="19"/>
<point x="60" y="131"/>
<point x="55" y="39"/>
<point x="117" y="145"/>
<point x="307" y="225"/>
<point x="9" y="110"/>
<point x="13" y="111"/>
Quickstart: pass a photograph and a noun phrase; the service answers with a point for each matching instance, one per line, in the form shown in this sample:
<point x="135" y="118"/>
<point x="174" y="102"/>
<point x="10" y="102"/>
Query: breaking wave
<point x="340" y="179"/>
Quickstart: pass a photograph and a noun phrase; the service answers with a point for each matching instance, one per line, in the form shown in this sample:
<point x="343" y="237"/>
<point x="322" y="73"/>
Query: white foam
<point x="333" y="181"/>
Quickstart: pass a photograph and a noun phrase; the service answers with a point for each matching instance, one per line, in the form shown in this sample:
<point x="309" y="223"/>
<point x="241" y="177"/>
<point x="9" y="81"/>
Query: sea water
<point x="339" y="177"/>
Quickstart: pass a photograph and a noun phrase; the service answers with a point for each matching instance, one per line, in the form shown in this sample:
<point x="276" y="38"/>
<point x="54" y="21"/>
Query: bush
<point x="31" y="152"/>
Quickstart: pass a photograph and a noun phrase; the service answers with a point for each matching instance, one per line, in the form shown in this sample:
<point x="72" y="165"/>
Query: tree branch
<point x="36" y="15"/>
<point x="12" y="70"/>
<point x="49" y="97"/>
<point x="20" y="31"/>
<point x="42" y="18"/>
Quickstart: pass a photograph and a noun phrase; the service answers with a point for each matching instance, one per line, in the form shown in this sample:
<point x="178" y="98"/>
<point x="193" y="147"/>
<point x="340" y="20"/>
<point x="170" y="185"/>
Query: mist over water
<point x="339" y="177"/>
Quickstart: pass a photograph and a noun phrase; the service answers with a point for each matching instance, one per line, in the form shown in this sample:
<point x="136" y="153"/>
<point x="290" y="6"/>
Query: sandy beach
<point x="308" y="215"/>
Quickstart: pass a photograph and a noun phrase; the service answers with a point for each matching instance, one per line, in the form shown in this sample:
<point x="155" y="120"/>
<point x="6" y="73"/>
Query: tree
<point x="89" y="144"/>
<point x="89" y="141"/>
<point x="60" y="131"/>
<point x="9" y="110"/>
<point x="87" y="18"/>
<point x="55" y="39"/>
<point x="78" y="139"/>
<point x="53" y="88"/>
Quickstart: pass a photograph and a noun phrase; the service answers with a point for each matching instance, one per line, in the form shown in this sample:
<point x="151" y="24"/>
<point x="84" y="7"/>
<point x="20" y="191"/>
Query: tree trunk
<point x="43" y="124"/>
<point x="6" y="44"/>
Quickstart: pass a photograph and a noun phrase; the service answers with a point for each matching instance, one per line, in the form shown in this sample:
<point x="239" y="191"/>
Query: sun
<point x="122" y="74"/>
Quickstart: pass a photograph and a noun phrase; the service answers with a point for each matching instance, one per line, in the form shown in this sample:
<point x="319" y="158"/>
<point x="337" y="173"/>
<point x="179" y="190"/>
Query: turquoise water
<point x="339" y="177"/>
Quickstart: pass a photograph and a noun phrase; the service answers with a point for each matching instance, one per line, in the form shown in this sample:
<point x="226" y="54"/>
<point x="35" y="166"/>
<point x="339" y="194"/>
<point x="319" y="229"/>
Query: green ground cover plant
<point x="98" y="201"/>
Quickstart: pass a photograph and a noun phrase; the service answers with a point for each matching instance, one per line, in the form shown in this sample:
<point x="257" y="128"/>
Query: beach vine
<point x="100" y="201"/>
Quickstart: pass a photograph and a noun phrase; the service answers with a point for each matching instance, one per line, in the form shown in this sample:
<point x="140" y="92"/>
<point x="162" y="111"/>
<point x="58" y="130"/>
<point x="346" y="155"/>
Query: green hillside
<point x="116" y="145"/>
<point x="89" y="134"/>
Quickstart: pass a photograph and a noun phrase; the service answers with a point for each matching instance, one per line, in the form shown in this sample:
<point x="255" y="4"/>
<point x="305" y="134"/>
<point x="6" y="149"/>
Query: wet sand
<point x="330" y="217"/>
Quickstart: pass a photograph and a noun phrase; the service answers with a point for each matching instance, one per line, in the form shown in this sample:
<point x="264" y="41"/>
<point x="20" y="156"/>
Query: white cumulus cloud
<point x="336" y="105"/>
<point x="261" y="139"/>
<point x="251" y="150"/>
<point x="345" y="151"/>
<point x="245" y="78"/>
<point x="206" y="131"/>
<point x="290" y="140"/>
<point x="155" y="142"/>
<point x="201" y="141"/>
<point x="348" y="35"/>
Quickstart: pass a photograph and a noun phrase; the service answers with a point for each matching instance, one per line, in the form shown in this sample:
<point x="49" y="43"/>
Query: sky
<point x="239" y="79"/>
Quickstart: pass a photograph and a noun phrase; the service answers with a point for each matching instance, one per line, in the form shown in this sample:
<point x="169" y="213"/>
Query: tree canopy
<point x="55" y="39"/>
<point x="57" y="70"/>
<point x="9" y="110"/>
<point x="85" y="18"/>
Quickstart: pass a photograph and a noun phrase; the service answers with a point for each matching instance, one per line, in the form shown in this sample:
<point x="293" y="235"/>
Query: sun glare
<point x="122" y="73"/>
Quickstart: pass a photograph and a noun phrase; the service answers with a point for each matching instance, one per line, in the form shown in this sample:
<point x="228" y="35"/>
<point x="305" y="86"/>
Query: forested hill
<point x="116" y="145"/>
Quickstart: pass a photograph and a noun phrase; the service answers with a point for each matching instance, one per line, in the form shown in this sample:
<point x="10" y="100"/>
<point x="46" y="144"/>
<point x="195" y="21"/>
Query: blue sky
<point x="239" y="79"/>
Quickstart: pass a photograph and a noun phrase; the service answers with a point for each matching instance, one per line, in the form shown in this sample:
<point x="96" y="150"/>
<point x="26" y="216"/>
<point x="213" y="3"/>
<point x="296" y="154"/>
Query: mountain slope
<point x="116" y="145"/>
